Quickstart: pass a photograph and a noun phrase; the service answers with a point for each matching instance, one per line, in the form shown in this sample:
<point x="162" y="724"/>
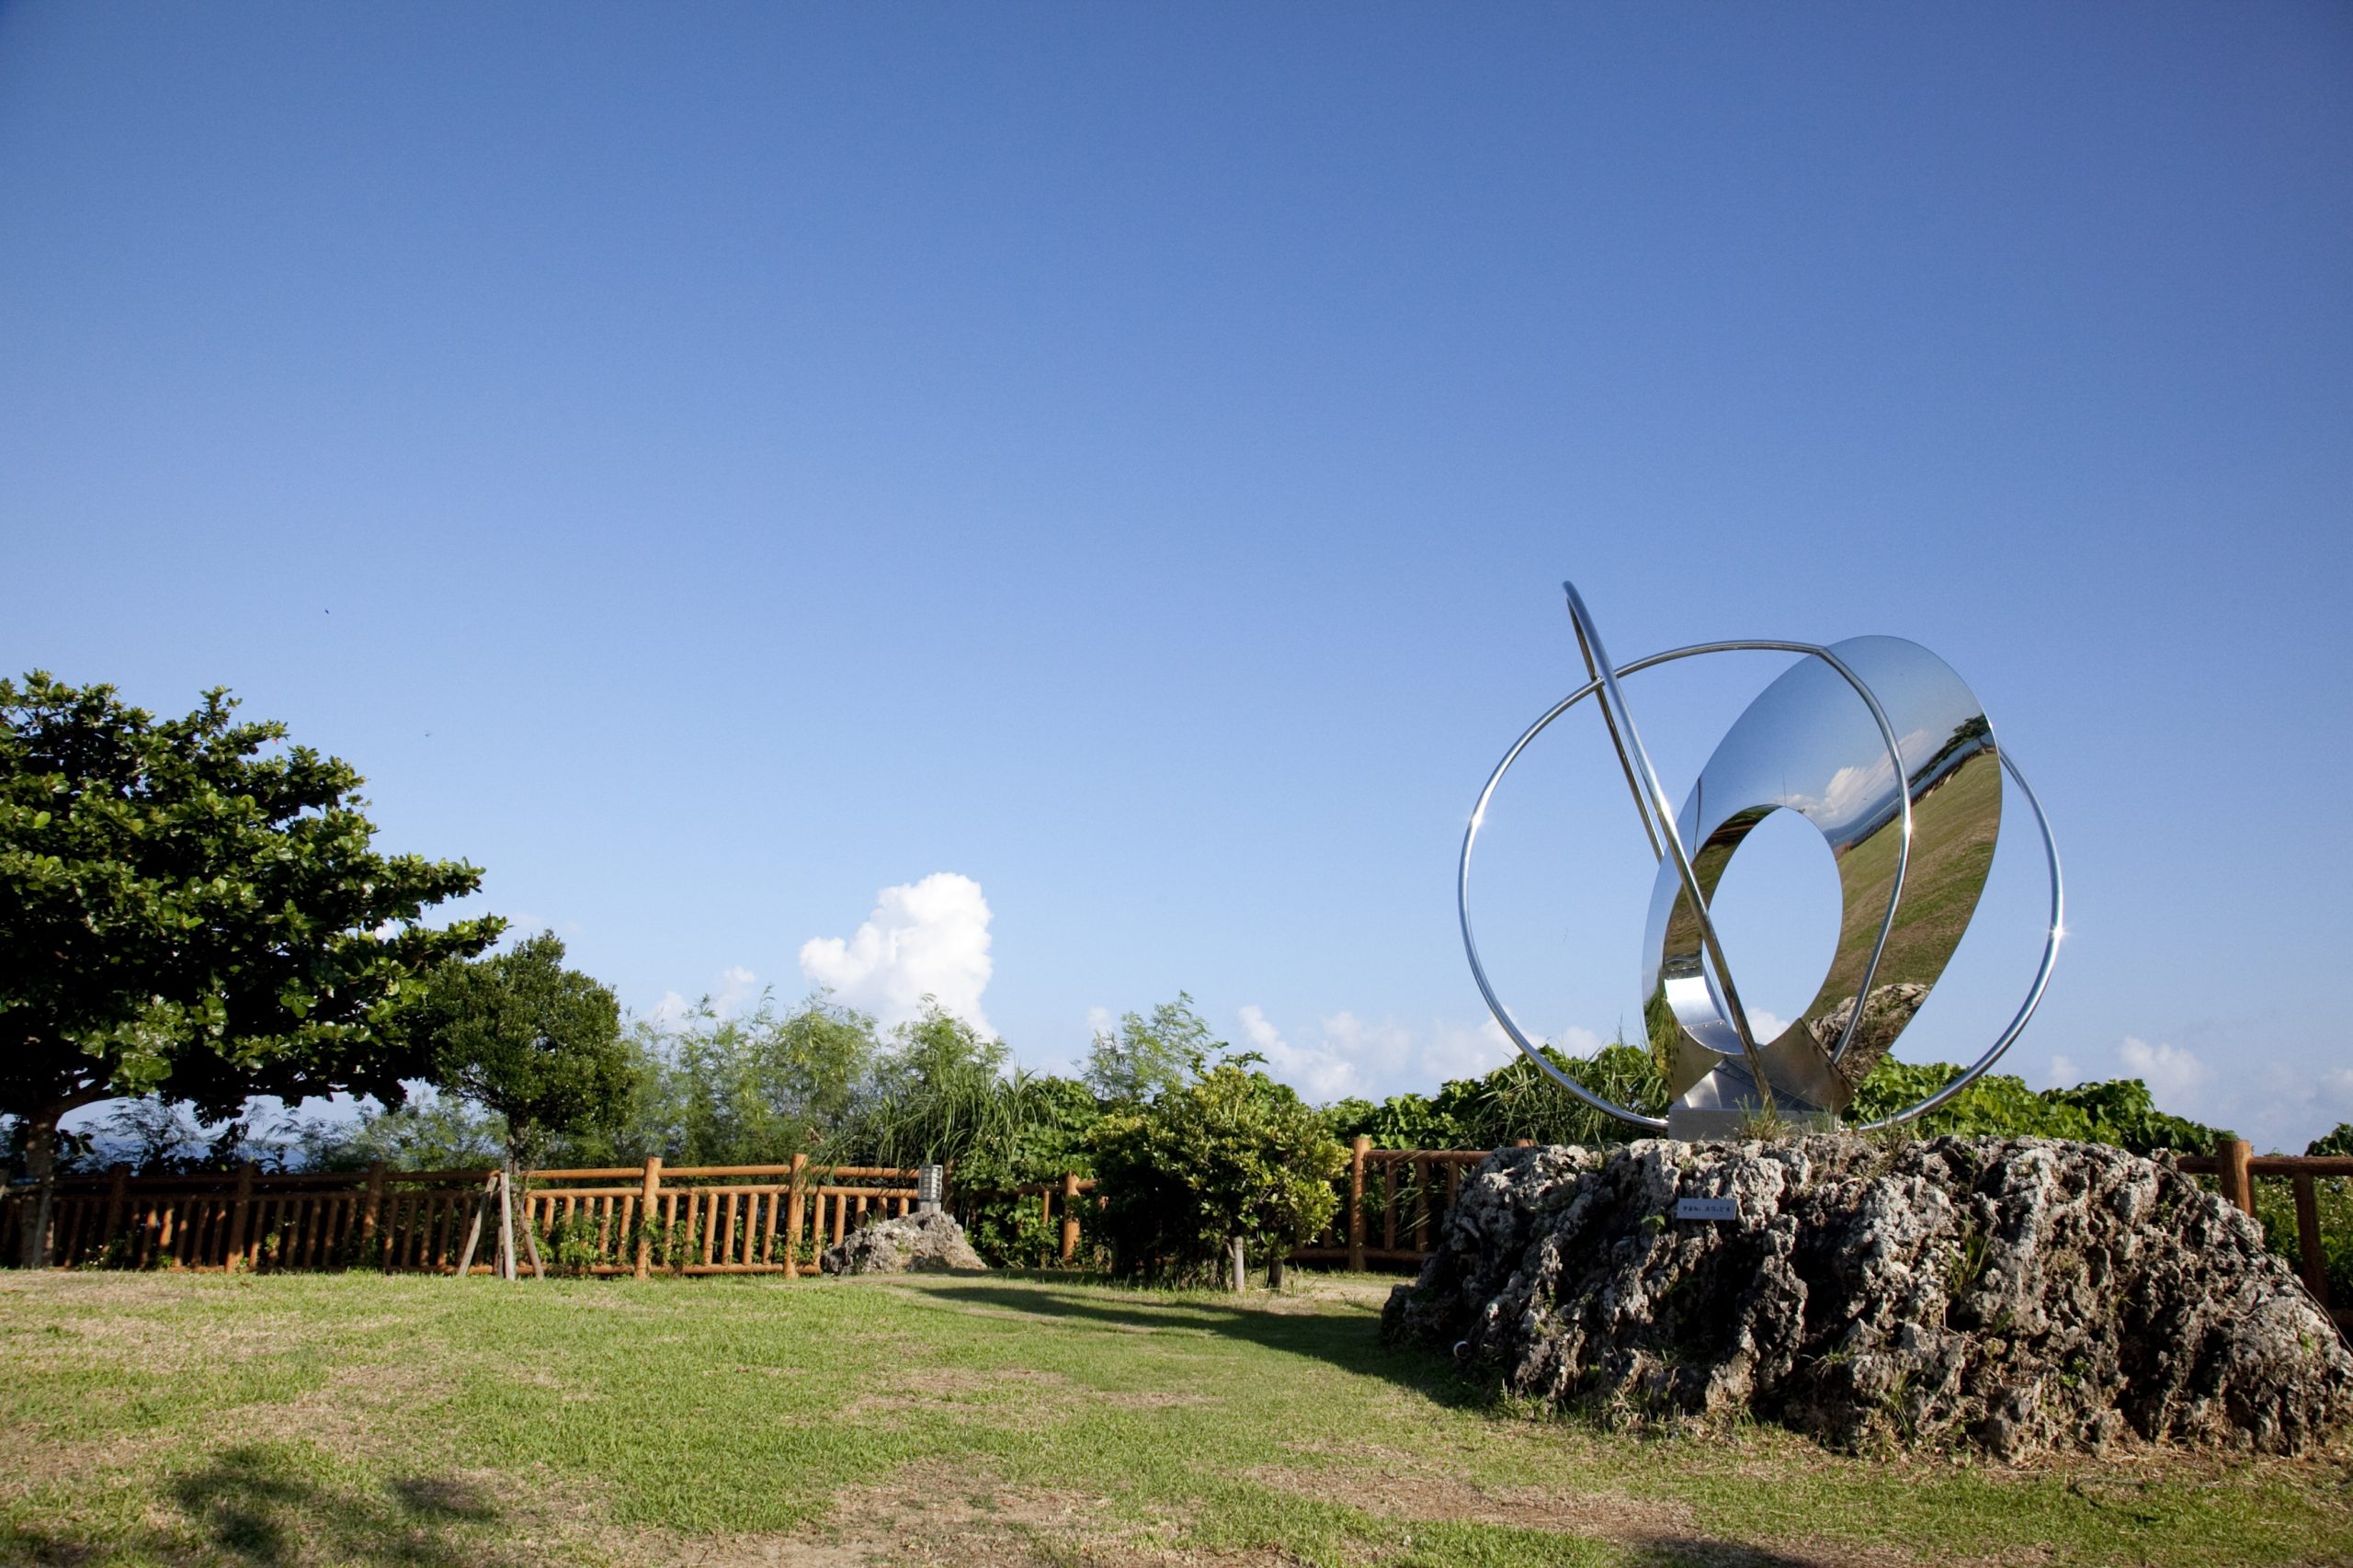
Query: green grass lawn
<point x="426" y="1421"/>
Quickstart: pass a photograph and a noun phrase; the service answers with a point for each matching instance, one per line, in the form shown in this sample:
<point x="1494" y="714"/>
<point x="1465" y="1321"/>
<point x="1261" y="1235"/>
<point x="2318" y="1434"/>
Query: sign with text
<point x="1707" y="1209"/>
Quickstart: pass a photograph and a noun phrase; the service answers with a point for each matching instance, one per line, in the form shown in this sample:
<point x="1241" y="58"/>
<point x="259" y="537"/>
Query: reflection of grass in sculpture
<point x="1940" y="887"/>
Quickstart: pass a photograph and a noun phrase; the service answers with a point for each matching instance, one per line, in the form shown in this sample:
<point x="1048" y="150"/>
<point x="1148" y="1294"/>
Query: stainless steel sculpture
<point x="1878" y="743"/>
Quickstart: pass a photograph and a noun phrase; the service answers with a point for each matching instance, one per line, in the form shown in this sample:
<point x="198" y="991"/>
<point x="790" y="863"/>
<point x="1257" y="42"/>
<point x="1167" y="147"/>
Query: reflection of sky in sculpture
<point x="1809" y="744"/>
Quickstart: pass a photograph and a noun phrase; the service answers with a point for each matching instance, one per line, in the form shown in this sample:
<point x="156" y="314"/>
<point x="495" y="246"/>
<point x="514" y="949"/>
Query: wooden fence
<point x="2235" y="1168"/>
<point x="620" y="1220"/>
<point x="1405" y="1193"/>
<point x="764" y="1219"/>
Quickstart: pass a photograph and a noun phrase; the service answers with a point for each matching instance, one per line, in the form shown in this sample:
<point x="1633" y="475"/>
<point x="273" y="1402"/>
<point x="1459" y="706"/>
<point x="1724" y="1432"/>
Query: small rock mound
<point x="930" y="1244"/>
<point x="2010" y="1295"/>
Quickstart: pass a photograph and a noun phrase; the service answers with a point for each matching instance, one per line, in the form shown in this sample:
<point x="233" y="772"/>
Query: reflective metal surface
<point x="1830" y="738"/>
<point x="1807" y="746"/>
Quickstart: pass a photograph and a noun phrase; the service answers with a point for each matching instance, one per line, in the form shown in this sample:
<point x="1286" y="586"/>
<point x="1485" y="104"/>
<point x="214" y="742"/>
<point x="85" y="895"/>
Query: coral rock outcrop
<point x="2013" y="1296"/>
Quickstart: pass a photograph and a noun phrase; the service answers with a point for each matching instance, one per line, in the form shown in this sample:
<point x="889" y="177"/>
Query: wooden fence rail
<point x="623" y="1220"/>
<point x="640" y="1219"/>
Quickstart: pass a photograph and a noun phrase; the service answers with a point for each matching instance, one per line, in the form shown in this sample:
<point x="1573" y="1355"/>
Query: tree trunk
<point x="507" y="1223"/>
<point x="1240" y="1264"/>
<point x="474" y="1231"/>
<point x="40" y="1163"/>
<point x="1275" y="1270"/>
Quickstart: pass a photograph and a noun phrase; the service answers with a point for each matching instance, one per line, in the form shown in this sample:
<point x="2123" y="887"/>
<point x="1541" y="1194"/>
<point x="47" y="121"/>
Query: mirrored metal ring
<point x="1611" y="1108"/>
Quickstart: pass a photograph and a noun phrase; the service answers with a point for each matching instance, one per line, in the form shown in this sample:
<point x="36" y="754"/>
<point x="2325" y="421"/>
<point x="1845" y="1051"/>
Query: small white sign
<point x="1707" y="1209"/>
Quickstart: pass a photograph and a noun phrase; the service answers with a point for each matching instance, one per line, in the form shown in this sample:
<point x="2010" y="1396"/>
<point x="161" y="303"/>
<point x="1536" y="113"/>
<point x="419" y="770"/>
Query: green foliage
<point x="1232" y="1154"/>
<point x="181" y="914"/>
<point x="429" y="1131"/>
<point x="1149" y="1056"/>
<point x="2119" y="1112"/>
<point x="939" y="1092"/>
<point x="537" y="1043"/>
<point x="1515" y="1101"/>
<point x="748" y="1091"/>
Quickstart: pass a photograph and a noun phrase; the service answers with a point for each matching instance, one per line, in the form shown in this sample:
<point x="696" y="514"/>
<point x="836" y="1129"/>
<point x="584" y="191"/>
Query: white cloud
<point x="2174" y="1074"/>
<point x="1262" y="1035"/>
<point x="2064" y="1074"/>
<point x="737" y="985"/>
<point x="1349" y="1055"/>
<point x="1765" y="1026"/>
<point x="2335" y="1091"/>
<point x="929" y="938"/>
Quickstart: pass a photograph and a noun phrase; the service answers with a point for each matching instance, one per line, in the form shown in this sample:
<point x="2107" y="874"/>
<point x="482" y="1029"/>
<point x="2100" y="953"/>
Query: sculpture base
<point x="1730" y="1124"/>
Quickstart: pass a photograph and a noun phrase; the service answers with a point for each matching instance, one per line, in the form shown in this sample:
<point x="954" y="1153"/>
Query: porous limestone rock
<point x="2010" y="1295"/>
<point x="930" y="1242"/>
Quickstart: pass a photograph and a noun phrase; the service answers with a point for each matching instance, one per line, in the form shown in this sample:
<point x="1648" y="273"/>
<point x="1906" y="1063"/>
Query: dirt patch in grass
<point x="903" y="1520"/>
<point x="1013" y="1392"/>
<point x="1150" y="1399"/>
<point x="1394" y="1493"/>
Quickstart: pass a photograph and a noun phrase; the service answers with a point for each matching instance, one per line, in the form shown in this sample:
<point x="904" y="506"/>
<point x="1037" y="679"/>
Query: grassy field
<point x="425" y="1421"/>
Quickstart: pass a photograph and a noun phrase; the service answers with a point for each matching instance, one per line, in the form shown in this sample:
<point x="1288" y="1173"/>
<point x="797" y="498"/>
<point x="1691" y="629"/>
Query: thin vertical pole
<point x="647" y="1208"/>
<point x="473" y="1227"/>
<point x="1356" y="1202"/>
<point x="530" y="1227"/>
<point x="2237" y="1181"/>
<point x="1421" y="1206"/>
<point x="1070" y="1215"/>
<point x="506" y="1226"/>
<point x="792" y="1224"/>
<point x="2308" y="1239"/>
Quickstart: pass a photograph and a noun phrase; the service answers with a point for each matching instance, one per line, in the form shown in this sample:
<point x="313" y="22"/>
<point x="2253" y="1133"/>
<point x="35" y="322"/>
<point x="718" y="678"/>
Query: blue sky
<point x="713" y="466"/>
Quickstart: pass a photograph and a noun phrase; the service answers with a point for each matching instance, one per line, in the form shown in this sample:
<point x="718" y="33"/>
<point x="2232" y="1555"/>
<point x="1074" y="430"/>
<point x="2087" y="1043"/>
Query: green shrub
<point x="1232" y="1154"/>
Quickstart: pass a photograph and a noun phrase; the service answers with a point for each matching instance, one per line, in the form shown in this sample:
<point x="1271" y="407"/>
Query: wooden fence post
<point x="2308" y="1241"/>
<point x="1070" y="1215"/>
<point x="1356" y="1202"/>
<point x="647" y="1196"/>
<point x="2237" y="1182"/>
<point x="372" y="1208"/>
<point x="794" y="1216"/>
<point x="240" y="1213"/>
<point x="118" y="1189"/>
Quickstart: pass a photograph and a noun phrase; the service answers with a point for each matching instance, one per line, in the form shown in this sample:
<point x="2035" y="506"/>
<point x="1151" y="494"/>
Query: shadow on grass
<point x="1697" y="1552"/>
<point x="1350" y="1341"/>
<point x="266" y="1504"/>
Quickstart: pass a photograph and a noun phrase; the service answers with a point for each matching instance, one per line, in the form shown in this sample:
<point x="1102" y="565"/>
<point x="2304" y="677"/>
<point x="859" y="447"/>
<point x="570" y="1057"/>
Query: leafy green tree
<point x="535" y="1043"/>
<point x="1231" y="1156"/>
<point x="940" y="1090"/>
<point x="1148" y="1056"/>
<point x="750" y="1090"/>
<point x="2338" y="1140"/>
<point x="183" y="914"/>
